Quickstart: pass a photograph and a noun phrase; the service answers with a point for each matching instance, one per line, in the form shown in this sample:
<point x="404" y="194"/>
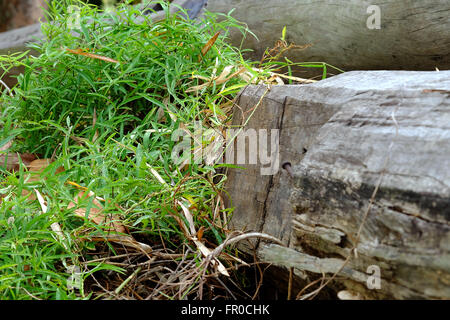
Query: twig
<point x="226" y="288"/>
<point x="291" y="271"/>
<point x="261" y="278"/>
<point x="7" y="88"/>
<point x="232" y="240"/>
<point x="28" y="293"/>
<point x="123" y="284"/>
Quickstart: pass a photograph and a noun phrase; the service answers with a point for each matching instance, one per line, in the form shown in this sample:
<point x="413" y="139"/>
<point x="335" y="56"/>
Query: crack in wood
<point x="271" y="183"/>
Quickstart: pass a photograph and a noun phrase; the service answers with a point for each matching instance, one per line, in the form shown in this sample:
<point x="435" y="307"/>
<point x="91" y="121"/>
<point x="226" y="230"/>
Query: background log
<point x="19" y="13"/>
<point x="414" y="35"/>
<point x="344" y="137"/>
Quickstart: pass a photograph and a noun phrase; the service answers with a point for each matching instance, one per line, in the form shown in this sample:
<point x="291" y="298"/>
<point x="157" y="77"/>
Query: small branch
<point x="123" y="284"/>
<point x="232" y="240"/>
<point x="6" y="86"/>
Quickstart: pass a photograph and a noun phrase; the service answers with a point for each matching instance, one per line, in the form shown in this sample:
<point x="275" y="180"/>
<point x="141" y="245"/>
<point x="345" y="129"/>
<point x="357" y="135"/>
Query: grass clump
<point x="101" y="101"/>
<point x="63" y="87"/>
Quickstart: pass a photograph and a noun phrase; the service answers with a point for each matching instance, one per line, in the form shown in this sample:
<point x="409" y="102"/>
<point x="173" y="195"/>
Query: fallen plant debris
<point x="91" y="55"/>
<point x="95" y="212"/>
<point x="89" y="181"/>
<point x="11" y="161"/>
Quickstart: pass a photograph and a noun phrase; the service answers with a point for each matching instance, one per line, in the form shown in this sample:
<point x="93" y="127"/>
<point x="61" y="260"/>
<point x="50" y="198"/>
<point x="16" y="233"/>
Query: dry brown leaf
<point x="225" y="72"/>
<point x="7" y="145"/>
<point x="297" y="79"/>
<point x="39" y="165"/>
<point x="12" y="160"/>
<point x="189" y="218"/>
<point x="55" y="225"/>
<point x="200" y="233"/>
<point x="171" y="114"/>
<point x="95" y="213"/>
<point x="209" y="44"/>
<point x="125" y="240"/>
<point x="216" y="216"/>
<point x="221" y="79"/>
<point x="156" y="175"/>
<point x="91" y="55"/>
<point x="35" y="169"/>
<point x="206" y="252"/>
<point x="96" y="216"/>
<point x="94" y="121"/>
<point x="160" y="115"/>
<point x="201" y="247"/>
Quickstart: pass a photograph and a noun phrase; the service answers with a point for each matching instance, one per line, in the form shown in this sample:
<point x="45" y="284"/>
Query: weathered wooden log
<point x="19" y="13"/>
<point x="370" y="158"/>
<point x="413" y="35"/>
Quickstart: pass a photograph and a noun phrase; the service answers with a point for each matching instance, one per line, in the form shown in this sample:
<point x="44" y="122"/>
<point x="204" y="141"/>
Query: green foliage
<point x="100" y="119"/>
<point x="31" y="258"/>
<point x="59" y="90"/>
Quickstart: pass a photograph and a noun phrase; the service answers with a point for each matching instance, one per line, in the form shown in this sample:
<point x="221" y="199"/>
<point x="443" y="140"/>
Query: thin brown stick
<point x="291" y="271"/>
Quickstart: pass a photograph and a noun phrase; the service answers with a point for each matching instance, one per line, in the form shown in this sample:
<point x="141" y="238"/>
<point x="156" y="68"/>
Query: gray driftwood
<point x="345" y="137"/>
<point x="19" y="13"/>
<point x="414" y="35"/>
